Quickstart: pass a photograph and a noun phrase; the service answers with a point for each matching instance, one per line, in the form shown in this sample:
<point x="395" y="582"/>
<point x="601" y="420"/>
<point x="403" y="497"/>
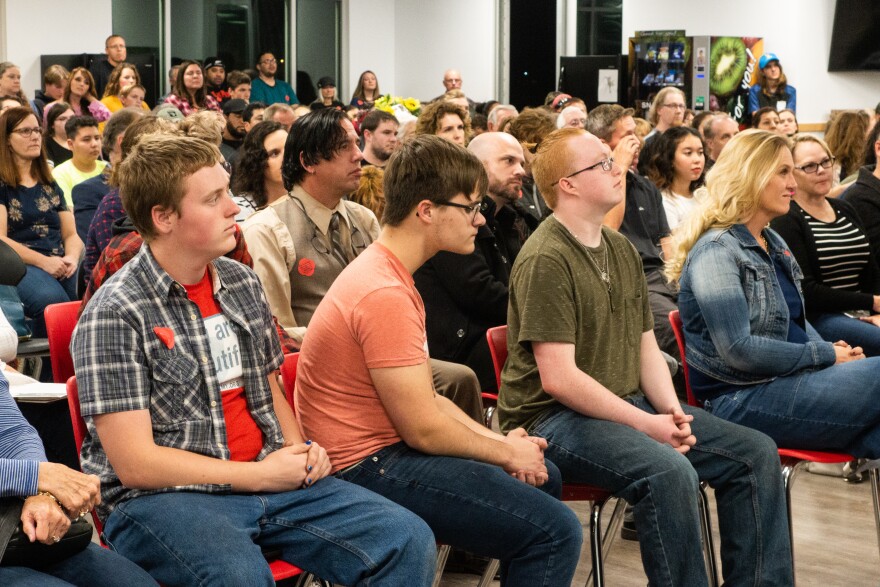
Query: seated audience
<point x="327" y="88"/>
<point x="54" y="82"/>
<point x="239" y="85"/>
<point x="677" y="169"/>
<point x="845" y="135"/>
<point x="529" y="128"/>
<point x="499" y="114"/>
<point x="215" y="80"/>
<point x="133" y="97"/>
<point x="572" y="117"/>
<point x="257" y="181"/>
<point x="754" y="358"/>
<point x="80" y="94"/>
<point x="52" y="495"/>
<point x="123" y="76"/>
<point x="445" y="119"/>
<point x="766" y="118"/>
<point x="234" y="129"/>
<point x="162" y="478"/>
<point x="584" y="372"/>
<point x="280" y="113"/>
<point x="10" y="82"/>
<point x="667" y="111"/>
<point x="253" y="115"/>
<point x="379" y="129"/>
<point x="717" y="131"/>
<point x="188" y="93"/>
<point x="302" y="242"/>
<point x="771" y="87"/>
<point x="385" y="428"/>
<point x="841" y="278"/>
<point x="366" y="91"/>
<point x="87" y="195"/>
<point x="84" y="141"/>
<point x="36" y="222"/>
<point x="788" y="124"/>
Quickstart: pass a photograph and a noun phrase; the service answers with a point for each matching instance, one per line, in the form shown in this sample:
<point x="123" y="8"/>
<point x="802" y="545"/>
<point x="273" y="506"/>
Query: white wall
<point x="410" y="43"/>
<point x="798" y="31"/>
<point x="49" y="27"/>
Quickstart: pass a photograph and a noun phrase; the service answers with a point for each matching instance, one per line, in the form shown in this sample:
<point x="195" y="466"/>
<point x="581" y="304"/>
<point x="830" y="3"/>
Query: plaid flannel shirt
<point x="123" y="364"/>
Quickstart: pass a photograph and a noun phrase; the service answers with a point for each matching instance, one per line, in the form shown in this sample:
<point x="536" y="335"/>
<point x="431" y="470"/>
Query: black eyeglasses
<point x="825" y="163"/>
<point x="606" y="164"/>
<point x="474" y="208"/>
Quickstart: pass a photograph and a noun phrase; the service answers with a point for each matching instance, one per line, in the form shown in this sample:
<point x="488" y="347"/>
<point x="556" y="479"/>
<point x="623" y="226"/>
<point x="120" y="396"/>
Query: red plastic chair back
<point x="497" y="338"/>
<point x="60" y="322"/>
<point x="288" y="375"/>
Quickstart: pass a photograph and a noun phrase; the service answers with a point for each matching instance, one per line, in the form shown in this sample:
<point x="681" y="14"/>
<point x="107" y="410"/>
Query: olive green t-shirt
<point x="557" y="295"/>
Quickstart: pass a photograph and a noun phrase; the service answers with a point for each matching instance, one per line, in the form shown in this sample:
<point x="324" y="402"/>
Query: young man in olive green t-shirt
<point x="585" y="373"/>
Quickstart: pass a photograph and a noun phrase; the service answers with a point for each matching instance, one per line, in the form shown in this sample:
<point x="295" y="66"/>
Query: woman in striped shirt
<point x="841" y="284"/>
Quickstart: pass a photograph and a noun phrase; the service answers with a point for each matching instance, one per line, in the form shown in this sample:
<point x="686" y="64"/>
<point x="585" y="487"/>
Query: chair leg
<point x="790" y="469"/>
<point x="708" y="541"/>
<point x="442" y="555"/>
<point x="875" y="497"/>
<point x="489" y="574"/>
<point x="490" y="411"/>
<point x="598" y="547"/>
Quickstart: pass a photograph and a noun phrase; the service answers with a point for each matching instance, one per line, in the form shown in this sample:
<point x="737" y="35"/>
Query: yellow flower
<point x="412" y="104"/>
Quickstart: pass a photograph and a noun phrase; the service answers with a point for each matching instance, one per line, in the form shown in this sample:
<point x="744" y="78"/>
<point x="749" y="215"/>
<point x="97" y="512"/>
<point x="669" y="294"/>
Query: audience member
<point x="80" y="94"/>
<point x="215" y="80"/>
<point x="7" y="102"/>
<point x="775" y="375"/>
<point x="189" y="94"/>
<point x="88" y="194"/>
<point x="445" y="119"/>
<point x="56" y="137"/>
<point x="788" y="124"/>
<point x="771" y="87"/>
<point x="234" y="129"/>
<point x="466" y="294"/>
<point x="253" y="115"/>
<point x="595" y="386"/>
<point x="840" y="275"/>
<point x="529" y="128"/>
<point x="115" y="53"/>
<point x="559" y="101"/>
<point x="268" y="88"/>
<point x="54" y="82"/>
<point x="160" y="473"/>
<point x="370" y="192"/>
<point x="257" y="180"/>
<point x="717" y="131"/>
<point x="479" y="124"/>
<point x="302" y="242"/>
<point x="84" y="141"/>
<point x="457" y="97"/>
<point x="123" y="76"/>
<point x="845" y="135"/>
<point x="667" y="111"/>
<point x="280" y="113"/>
<point x="452" y="81"/>
<point x="864" y="194"/>
<point x="239" y="85"/>
<point x="385" y="428"/>
<point x="572" y="117"/>
<point x="677" y="169"/>
<point x="380" y="137"/>
<point x="501" y="112"/>
<point x="134" y="96"/>
<point x="702" y="119"/>
<point x="10" y="81"/>
<point x="52" y="495"/>
<point x="766" y="118"/>
<point x="366" y="92"/>
<point x="327" y="88"/>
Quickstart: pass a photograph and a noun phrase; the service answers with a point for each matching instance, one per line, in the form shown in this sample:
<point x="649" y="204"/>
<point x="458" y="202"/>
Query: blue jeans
<point x="661" y="484"/>
<point x="93" y="567"/>
<point x="833" y="409"/>
<point x="481" y="509"/>
<point x="834" y="327"/>
<point x="333" y="529"/>
<point x="37" y="289"/>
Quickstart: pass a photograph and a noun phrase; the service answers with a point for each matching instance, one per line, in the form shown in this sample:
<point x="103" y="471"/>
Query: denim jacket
<point x="734" y="313"/>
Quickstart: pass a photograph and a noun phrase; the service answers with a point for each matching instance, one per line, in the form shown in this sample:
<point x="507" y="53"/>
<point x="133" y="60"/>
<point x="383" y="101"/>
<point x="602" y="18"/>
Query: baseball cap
<point x="326" y="82"/>
<point x="213" y="62"/>
<point x="169" y="112"/>
<point x="234" y="106"/>
<point x="767" y="58"/>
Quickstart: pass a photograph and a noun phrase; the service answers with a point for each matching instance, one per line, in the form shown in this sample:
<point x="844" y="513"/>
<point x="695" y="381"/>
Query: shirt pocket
<point x="177" y="397"/>
<point x="758" y="290"/>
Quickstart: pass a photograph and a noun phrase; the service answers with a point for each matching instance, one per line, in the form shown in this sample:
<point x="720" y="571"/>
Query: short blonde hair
<point x="154" y="174"/>
<point x="553" y="161"/>
<point x="206" y="125"/>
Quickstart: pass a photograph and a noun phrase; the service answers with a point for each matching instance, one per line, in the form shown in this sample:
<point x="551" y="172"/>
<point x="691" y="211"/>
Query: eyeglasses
<point x="27" y="132"/>
<point x="606" y="164"/>
<point x="675" y="106"/>
<point x="269" y="61"/>
<point x="825" y="163"/>
<point x="473" y="209"/>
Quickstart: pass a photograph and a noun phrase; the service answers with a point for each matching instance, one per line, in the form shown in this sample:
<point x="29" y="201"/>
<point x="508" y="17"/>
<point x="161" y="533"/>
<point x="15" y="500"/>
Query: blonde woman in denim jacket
<point x="753" y="357"/>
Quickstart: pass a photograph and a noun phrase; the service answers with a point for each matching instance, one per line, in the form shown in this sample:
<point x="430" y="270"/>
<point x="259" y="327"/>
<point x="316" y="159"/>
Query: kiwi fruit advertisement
<point x="733" y="62"/>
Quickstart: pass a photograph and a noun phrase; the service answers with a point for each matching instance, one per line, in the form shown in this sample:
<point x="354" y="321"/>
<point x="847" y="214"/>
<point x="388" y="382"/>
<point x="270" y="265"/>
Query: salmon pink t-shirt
<point x="243" y="436"/>
<point x="372" y="317"/>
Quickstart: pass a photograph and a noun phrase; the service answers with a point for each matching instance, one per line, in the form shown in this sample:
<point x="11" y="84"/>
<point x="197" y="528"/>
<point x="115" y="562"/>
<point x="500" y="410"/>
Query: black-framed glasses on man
<point x="473" y="209"/>
<point x="825" y="163"/>
<point x="606" y="164"/>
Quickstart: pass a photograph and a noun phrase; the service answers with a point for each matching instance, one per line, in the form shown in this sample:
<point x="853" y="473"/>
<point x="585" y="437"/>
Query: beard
<point x="234" y="132"/>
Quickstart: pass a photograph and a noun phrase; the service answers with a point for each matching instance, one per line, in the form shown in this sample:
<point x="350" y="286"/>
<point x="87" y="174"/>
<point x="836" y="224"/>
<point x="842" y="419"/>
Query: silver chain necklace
<point x="603" y="271"/>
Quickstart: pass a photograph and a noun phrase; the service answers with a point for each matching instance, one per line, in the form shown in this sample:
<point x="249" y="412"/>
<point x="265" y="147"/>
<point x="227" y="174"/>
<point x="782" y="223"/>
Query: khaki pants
<point x="459" y="384"/>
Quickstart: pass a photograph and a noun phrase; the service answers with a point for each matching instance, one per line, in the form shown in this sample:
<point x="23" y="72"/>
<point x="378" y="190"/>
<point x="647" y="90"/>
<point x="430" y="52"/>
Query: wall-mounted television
<point x="855" y="42"/>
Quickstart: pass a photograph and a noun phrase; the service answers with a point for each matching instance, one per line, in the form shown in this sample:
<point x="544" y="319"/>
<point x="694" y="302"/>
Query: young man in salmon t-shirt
<point x="198" y="452"/>
<point x="364" y="386"/>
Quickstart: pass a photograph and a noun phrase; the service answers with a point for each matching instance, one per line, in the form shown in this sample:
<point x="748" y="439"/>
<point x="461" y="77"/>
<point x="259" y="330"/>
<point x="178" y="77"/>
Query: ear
<point x="163" y="219"/>
<point x="69" y="144"/>
<point x="425" y="211"/>
<point x="308" y="168"/>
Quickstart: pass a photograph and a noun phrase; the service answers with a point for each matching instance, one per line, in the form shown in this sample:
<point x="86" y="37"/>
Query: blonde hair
<point x="206" y="125"/>
<point x="805" y="138"/>
<point x="369" y="192"/>
<point x="553" y="161"/>
<point x="659" y="99"/>
<point x="735" y="185"/>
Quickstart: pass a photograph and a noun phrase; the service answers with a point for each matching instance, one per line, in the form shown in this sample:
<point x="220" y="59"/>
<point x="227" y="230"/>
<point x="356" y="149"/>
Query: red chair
<point x="280" y="569"/>
<point x="793" y="460"/>
<point x="60" y="322"/>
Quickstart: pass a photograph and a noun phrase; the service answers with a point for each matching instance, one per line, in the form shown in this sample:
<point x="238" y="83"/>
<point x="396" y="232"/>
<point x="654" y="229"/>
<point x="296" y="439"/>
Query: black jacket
<point x="818" y="297"/>
<point x="465" y="295"/>
<point x="864" y="197"/>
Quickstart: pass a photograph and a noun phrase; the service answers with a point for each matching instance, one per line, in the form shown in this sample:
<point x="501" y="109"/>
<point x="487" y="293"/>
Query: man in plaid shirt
<point x="197" y="450"/>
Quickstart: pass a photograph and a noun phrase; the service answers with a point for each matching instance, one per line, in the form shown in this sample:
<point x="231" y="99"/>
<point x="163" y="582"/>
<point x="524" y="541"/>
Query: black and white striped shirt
<point x="842" y="249"/>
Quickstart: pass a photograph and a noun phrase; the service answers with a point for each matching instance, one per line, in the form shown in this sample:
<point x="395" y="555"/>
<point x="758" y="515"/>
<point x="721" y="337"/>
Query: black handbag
<point x="16" y="549"/>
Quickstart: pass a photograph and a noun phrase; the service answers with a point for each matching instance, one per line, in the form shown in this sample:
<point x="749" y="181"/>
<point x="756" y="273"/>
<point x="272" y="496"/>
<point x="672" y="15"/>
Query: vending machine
<point x="657" y="59"/>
